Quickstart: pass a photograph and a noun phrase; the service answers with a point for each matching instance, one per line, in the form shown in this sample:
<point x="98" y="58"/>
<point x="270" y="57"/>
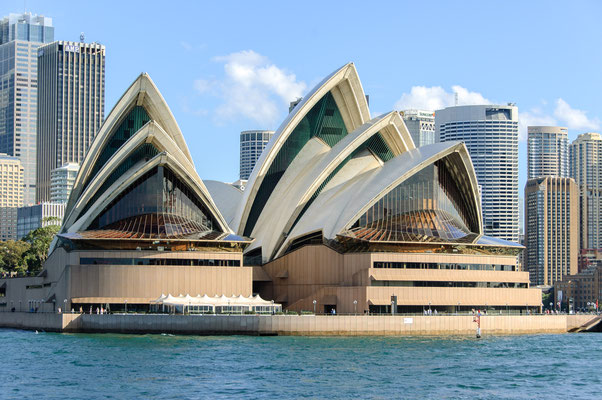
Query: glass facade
<point x="430" y="205"/>
<point x="20" y="37"/>
<point x="450" y="284"/>
<point x="143" y="153"/>
<point x="157" y="205"/>
<point x="455" y="266"/>
<point x="159" y="261"/>
<point x="324" y="121"/>
<point x="134" y="120"/>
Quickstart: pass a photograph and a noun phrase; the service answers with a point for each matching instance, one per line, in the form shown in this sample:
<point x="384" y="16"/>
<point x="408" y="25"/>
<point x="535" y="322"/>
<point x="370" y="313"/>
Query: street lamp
<point x="507" y="309"/>
<point x="315" y="302"/>
<point x="272" y="307"/>
<point x="125" y="302"/>
<point x="355" y="306"/>
<point x="458" y="309"/>
<point x="65" y="309"/>
<point x="429" y="308"/>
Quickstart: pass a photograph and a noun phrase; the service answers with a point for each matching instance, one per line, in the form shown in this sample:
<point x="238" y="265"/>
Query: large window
<point x="433" y="204"/>
<point x="158" y="204"/>
<point x="135" y="120"/>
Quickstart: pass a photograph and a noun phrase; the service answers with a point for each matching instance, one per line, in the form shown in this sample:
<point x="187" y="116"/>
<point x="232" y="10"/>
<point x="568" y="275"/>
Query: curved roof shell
<point x="342" y="203"/>
<point x="139" y="135"/>
<point x="342" y="87"/>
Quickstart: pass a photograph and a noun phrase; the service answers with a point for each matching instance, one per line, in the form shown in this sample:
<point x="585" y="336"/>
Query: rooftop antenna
<point x="82" y="37"/>
<point x="456" y="97"/>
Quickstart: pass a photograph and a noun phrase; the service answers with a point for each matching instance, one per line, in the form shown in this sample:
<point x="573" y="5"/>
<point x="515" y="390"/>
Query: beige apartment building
<point x="11" y="195"/>
<point x="551" y="229"/>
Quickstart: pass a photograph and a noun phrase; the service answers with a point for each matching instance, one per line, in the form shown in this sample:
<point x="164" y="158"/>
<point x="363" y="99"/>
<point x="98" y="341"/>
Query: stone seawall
<point x="310" y="325"/>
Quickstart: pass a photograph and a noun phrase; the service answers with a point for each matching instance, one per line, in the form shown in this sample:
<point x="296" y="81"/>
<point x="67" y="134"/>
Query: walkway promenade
<point x="310" y="325"/>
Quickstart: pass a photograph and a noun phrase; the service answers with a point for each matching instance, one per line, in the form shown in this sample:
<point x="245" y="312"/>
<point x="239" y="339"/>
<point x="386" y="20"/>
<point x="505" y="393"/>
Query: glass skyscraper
<point x="490" y="133"/>
<point x="71" y="105"/>
<point x="548" y="151"/>
<point x="20" y="37"/>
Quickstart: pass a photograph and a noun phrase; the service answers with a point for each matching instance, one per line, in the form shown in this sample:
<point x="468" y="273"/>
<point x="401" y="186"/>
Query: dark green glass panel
<point x="144" y="152"/>
<point x="377" y="145"/>
<point x="135" y="120"/>
<point x="324" y="120"/>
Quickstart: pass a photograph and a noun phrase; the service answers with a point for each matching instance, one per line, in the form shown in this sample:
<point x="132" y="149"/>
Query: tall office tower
<point x="491" y="135"/>
<point x="71" y="102"/>
<point x="20" y="37"/>
<point x="11" y="195"/>
<point x="37" y="216"/>
<point x="62" y="180"/>
<point x="551" y="229"/>
<point x="252" y="144"/>
<point x="421" y="125"/>
<point x="586" y="168"/>
<point x="548" y="151"/>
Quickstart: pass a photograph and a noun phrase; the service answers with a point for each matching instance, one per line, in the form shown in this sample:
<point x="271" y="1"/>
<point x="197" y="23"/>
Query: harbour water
<point x="112" y="366"/>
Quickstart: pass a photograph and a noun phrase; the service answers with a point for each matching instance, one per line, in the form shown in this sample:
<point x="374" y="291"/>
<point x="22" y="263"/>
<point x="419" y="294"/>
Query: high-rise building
<point x="490" y="133"/>
<point x="252" y="144"/>
<point x="548" y="151"/>
<point x="586" y="168"/>
<point x="421" y="125"/>
<point x="11" y="195"/>
<point x="20" y="37"/>
<point x="62" y="180"/>
<point x="551" y="229"/>
<point x="71" y="101"/>
<point x="37" y="216"/>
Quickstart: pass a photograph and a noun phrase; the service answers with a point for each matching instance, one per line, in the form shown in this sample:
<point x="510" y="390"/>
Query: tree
<point x="12" y="257"/>
<point x="39" y="242"/>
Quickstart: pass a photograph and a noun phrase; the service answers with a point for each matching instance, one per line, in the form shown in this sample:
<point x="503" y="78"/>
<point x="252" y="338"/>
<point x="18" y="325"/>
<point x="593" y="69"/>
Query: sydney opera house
<point x="341" y="213"/>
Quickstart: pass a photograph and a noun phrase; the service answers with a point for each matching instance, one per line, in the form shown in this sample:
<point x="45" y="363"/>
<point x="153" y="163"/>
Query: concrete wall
<point x="319" y="273"/>
<point x="294" y="325"/>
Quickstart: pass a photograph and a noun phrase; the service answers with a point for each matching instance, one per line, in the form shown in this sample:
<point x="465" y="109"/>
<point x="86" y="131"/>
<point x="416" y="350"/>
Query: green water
<point x="110" y="366"/>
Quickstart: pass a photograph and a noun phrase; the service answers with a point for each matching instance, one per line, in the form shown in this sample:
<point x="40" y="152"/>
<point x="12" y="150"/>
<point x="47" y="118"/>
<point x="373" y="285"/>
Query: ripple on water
<point x="74" y="366"/>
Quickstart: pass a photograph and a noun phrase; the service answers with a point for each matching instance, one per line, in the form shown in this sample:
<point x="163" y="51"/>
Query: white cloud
<point x="435" y="98"/>
<point x="574" y="118"/>
<point x="533" y="117"/>
<point x="252" y="87"/>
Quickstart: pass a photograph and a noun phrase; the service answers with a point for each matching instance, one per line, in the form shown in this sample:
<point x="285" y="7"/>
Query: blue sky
<point x="224" y="66"/>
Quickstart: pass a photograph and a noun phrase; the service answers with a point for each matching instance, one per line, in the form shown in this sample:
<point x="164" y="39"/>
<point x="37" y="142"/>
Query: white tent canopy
<point x="218" y="303"/>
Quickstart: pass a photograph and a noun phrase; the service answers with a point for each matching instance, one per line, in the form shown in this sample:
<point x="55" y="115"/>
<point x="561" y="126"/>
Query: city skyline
<point x="207" y="91"/>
